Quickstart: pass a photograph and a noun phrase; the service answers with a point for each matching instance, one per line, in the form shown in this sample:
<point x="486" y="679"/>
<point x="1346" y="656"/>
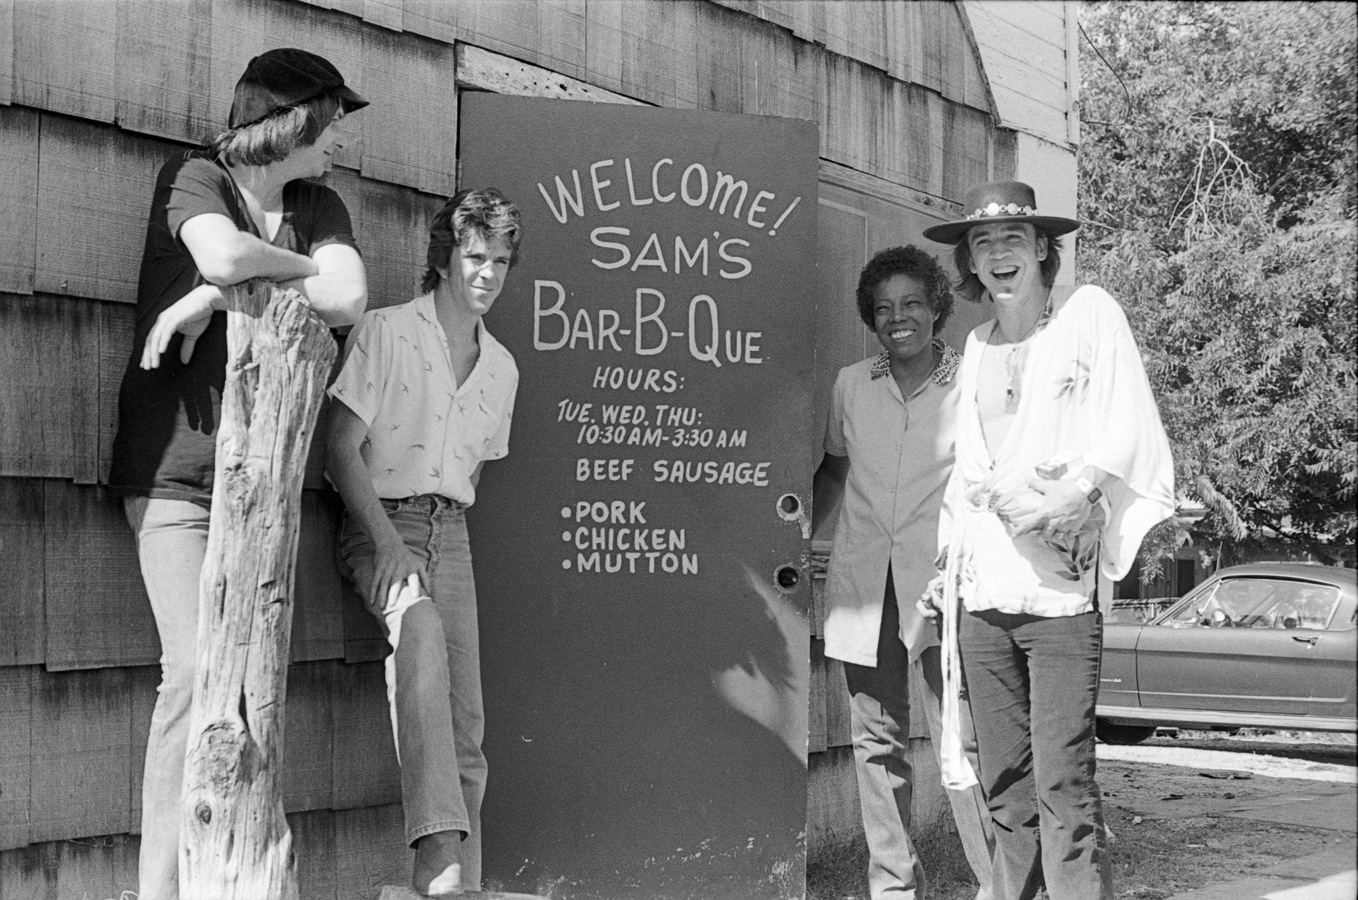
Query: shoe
<point x="446" y="883"/>
<point x="438" y="865"/>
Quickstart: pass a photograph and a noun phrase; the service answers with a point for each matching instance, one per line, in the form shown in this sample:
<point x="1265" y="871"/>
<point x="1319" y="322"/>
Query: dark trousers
<point x="1033" y="682"/>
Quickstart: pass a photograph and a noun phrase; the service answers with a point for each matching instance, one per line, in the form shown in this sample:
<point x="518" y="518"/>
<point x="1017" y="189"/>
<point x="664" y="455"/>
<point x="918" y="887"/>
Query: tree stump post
<point x="235" y="843"/>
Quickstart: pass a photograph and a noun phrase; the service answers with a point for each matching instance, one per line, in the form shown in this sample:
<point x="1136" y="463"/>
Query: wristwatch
<point x="1092" y="493"/>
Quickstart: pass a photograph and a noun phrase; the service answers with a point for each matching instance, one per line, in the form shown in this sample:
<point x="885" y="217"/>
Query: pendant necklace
<point x="1013" y="370"/>
<point x="1017" y="359"/>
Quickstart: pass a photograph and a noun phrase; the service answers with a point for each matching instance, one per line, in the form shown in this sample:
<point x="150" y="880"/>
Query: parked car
<point x="1268" y="645"/>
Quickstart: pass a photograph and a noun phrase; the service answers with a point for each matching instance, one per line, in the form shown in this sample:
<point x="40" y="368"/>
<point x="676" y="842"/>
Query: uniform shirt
<point x="166" y="444"/>
<point x="900" y="453"/>
<point x="426" y="432"/>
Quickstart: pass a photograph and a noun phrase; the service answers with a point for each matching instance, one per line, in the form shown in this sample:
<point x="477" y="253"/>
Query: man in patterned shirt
<point x="424" y="398"/>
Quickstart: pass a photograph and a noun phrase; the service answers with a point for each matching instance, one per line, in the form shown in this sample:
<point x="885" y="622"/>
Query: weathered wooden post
<point x="235" y="841"/>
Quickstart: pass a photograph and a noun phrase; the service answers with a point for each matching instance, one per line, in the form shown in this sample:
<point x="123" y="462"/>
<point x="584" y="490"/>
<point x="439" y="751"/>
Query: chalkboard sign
<point x="641" y="554"/>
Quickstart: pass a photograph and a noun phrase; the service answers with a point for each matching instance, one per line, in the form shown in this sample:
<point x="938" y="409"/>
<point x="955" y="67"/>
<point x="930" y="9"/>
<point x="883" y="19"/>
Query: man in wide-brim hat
<point x="1061" y="467"/>
<point x="997" y="203"/>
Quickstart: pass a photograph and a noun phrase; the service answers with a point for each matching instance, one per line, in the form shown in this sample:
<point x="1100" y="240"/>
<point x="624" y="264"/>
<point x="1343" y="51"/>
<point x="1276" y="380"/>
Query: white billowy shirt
<point x="1084" y="399"/>
<point x="426" y="432"/>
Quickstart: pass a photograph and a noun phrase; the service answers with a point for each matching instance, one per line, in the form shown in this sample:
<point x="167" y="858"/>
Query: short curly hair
<point x="485" y="213"/>
<point x="915" y="263"/>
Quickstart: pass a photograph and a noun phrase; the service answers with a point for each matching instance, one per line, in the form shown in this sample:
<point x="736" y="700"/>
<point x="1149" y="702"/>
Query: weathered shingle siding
<point x="94" y="96"/>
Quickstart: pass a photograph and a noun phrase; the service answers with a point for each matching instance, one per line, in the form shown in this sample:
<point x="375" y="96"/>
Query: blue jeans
<point x="433" y="673"/>
<point x="171" y="545"/>
<point x="879" y="706"/>
<point x="1033" y="682"/>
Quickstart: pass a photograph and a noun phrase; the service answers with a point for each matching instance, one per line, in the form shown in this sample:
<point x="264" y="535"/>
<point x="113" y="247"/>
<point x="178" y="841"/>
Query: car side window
<point x="1307" y="606"/>
<point x="1233" y="603"/>
<point x="1247" y="602"/>
<point x="1254" y="602"/>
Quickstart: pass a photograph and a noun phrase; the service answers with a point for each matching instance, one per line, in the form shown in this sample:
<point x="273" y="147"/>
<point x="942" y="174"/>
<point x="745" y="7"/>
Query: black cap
<point x="277" y="79"/>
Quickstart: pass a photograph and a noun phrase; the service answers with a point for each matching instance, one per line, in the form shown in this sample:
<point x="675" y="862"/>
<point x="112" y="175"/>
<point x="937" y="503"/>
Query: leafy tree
<point x="1218" y="192"/>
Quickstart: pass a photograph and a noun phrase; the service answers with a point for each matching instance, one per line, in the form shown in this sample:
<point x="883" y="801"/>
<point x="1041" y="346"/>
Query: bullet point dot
<point x="566" y="536"/>
<point x="565" y="512"/>
<point x="565" y="564"/>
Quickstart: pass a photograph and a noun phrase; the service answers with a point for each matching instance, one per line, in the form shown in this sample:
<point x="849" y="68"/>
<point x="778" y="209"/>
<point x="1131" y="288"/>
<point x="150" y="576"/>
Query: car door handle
<point x="1305" y="640"/>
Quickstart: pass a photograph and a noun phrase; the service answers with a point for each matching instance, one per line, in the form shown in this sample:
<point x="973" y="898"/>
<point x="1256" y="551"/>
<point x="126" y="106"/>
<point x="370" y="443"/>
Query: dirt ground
<point x="1170" y="833"/>
<point x="1169" y="824"/>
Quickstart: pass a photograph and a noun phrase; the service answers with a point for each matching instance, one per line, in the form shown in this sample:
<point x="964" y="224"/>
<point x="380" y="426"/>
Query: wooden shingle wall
<point x="1028" y="53"/>
<point x="95" y="95"/>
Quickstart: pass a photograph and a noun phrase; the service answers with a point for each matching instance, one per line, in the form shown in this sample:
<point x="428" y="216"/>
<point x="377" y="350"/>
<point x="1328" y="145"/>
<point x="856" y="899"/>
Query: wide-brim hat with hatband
<point x="278" y="79"/>
<point x="996" y="202"/>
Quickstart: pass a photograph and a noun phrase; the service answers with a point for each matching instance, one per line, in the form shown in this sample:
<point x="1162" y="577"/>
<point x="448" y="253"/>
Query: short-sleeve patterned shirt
<point x="426" y="432"/>
<point x="900" y="452"/>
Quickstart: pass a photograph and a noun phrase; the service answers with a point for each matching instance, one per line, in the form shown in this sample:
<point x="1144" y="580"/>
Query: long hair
<point x="970" y="287"/>
<point x="485" y="213"/>
<point x="910" y="261"/>
<point x="275" y="136"/>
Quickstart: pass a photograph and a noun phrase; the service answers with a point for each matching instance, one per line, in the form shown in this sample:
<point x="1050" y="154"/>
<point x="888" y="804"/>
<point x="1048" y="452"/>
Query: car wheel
<point x="1112" y="733"/>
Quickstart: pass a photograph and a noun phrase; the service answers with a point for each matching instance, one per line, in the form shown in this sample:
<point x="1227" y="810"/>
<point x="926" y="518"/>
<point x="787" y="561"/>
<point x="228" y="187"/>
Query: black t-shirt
<point x="168" y="416"/>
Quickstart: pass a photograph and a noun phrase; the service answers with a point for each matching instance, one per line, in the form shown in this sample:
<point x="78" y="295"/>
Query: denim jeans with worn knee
<point x="433" y="673"/>
<point x="171" y="545"/>
<point x="1033" y="682"/>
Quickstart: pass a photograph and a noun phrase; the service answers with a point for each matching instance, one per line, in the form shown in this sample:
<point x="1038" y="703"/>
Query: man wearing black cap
<point x="245" y="206"/>
<point x="1061" y="467"/>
